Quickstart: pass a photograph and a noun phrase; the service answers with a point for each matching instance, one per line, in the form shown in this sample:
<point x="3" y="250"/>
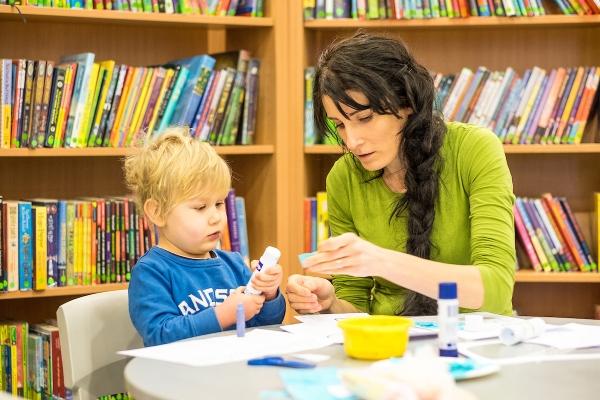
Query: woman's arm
<point x="351" y="255"/>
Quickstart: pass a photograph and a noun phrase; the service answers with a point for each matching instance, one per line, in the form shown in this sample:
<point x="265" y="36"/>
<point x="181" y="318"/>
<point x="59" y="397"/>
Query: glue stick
<point x="268" y="259"/>
<point x="448" y="319"/>
<point x="240" y="320"/>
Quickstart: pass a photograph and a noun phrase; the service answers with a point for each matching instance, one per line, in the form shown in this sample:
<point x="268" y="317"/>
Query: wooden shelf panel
<point x="586" y="148"/>
<point x="470" y="22"/>
<point x="63" y="291"/>
<point x="48" y="14"/>
<point x="125" y="151"/>
<point x="557" y="277"/>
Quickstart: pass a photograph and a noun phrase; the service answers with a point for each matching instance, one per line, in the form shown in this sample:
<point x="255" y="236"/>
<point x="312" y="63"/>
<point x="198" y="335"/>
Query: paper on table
<point x="327" y="318"/>
<point x="224" y="349"/>
<point x="570" y="336"/>
<point x="325" y="325"/>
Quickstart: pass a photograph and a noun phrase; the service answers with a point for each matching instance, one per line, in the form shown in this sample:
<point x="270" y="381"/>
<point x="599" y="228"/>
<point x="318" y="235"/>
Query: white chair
<point x="92" y="329"/>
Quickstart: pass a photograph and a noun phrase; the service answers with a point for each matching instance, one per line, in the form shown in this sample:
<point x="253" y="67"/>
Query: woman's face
<point x="373" y="138"/>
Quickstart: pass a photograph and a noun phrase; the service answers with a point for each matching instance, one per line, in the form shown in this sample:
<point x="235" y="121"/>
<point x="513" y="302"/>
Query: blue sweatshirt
<point x="173" y="297"/>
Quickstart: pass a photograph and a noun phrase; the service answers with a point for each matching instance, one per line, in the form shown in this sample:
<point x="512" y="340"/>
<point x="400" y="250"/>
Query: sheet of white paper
<point x="224" y="349"/>
<point x="327" y="318"/>
<point x="490" y="327"/>
<point x="570" y="336"/>
<point x="325" y="325"/>
<point x="520" y="353"/>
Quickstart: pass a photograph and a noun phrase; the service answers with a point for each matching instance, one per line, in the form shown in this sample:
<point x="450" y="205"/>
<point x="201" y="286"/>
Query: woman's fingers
<point x="335" y="266"/>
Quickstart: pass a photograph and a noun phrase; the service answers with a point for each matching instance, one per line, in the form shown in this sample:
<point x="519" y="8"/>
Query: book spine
<point x="240" y="208"/>
<point x="232" y="221"/>
<point x="526" y="241"/>
<point x="25" y="247"/>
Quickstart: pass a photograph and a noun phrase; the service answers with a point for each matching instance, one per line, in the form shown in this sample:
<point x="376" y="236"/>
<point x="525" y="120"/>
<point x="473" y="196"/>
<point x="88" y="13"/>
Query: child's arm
<point x="156" y="316"/>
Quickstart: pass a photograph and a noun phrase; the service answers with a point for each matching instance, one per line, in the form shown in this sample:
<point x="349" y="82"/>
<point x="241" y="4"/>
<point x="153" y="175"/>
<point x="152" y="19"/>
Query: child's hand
<point x="268" y="280"/>
<point x="226" y="311"/>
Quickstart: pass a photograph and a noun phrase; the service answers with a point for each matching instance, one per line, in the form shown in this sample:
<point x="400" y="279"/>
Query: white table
<point x="149" y="379"/>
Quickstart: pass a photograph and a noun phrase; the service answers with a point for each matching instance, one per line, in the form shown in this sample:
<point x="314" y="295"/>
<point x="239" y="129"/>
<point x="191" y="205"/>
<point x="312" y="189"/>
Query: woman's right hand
<point x="309" y="294"/>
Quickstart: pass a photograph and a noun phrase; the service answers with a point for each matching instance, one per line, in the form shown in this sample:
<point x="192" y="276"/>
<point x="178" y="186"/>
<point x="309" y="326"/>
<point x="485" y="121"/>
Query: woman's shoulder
<point x="466" y="140"/>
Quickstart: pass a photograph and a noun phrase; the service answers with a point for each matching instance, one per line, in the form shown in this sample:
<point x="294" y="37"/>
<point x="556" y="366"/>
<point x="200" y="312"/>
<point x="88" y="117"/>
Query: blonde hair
<point x="173" y="168"/>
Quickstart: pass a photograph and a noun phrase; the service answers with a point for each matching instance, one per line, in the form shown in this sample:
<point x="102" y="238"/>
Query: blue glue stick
<point x="240" y="320"/>
<point x="448" y="319"/>
<point x="268" y="259"/>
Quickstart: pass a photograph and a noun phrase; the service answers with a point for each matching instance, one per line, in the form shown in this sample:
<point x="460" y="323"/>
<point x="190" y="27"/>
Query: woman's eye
<point x="339" y="126"/>
<point x="366" y="119"/>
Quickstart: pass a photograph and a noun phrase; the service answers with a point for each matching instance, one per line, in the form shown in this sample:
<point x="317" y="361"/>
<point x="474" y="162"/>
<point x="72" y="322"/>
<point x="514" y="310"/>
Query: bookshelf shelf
<point x="48" y="14"/>
<point x="586" y="148"/>
<point x="556" y="277"/>
<point x="121" y="152"/>
<point x="471" y="22"/>
<point x="63" y="291"/>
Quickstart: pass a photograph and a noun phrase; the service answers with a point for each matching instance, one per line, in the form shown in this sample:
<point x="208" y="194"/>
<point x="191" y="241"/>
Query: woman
<point x="414" y="201"/>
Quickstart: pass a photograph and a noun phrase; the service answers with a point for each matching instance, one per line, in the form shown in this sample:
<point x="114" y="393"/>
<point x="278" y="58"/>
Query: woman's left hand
<point x="347" y="254"/>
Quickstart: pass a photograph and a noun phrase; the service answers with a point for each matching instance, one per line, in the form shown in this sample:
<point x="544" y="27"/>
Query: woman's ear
<point x="406" y="112"/>
<point x="151" y="209"/>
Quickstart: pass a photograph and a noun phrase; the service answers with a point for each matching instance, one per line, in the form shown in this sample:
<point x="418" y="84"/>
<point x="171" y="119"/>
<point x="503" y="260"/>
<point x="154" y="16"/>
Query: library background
<point x="82" y="82"/>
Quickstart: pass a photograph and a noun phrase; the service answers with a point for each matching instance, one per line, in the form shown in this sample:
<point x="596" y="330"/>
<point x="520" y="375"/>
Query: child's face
<point x="193" y="228"/>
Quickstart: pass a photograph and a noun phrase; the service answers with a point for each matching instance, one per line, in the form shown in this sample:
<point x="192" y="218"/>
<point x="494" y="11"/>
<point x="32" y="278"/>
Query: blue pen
<point x="280" y="362"/>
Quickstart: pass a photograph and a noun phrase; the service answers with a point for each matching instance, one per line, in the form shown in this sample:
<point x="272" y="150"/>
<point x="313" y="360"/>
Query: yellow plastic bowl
<point x="375" y="337"/>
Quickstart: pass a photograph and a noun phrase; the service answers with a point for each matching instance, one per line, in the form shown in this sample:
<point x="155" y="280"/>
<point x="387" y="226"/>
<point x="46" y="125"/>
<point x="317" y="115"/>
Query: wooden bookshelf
<point x="125" y="151"/>
<point x="454" y="23"/>
<point x="529" y="276"/>
<point x="50" y="14"/>
<point x="63" y="291"/>
<point x="260" y="170"/>
<point x="447" y="45"/>
<point x="585" y="148"/>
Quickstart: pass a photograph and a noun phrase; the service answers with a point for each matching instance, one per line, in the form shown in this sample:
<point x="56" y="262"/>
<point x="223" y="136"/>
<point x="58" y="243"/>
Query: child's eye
<point x="199" y="208"/>
<point x="220" y="204"/>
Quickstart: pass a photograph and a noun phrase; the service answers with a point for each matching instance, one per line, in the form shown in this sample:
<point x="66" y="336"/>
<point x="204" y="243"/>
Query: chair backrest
<point x="92" y="329"/>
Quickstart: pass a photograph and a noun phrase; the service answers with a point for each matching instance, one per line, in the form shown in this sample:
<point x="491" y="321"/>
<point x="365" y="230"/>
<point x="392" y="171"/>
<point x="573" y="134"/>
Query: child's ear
<point x="151" y="210"/>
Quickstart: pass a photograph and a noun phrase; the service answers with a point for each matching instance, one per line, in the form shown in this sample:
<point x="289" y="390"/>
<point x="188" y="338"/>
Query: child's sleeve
<point x="156" y="316"/>
<point x="271" y="313"/>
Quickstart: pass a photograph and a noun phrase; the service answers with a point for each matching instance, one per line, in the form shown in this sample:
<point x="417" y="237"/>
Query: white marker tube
<point x="269" y="258"/>
<point x="517" y="332"/>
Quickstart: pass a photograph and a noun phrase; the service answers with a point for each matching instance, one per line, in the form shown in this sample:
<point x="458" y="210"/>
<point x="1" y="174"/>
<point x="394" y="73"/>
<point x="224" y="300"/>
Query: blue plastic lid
<point x="448" y="290"/>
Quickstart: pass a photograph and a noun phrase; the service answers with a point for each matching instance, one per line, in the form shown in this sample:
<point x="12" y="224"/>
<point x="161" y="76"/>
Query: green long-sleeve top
<point x="473" y="219"/>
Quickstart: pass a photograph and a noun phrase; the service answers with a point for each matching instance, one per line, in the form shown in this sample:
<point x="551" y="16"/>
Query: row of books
<point x="551" y="236"/>
<point x="31" y="362"/>
<point x="82" y="103"/>
<point x="48" y="243"/>
<point x="316" y="221"/>
<point x="254" y="8"/>
<point x="310" y="135"/>
<point x="549" y="107"/>
<point x="425" y="9"/>
<point x="235" y="237"/>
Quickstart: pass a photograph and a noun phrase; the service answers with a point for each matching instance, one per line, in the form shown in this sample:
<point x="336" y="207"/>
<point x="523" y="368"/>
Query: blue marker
<point x="240" y="320"/>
